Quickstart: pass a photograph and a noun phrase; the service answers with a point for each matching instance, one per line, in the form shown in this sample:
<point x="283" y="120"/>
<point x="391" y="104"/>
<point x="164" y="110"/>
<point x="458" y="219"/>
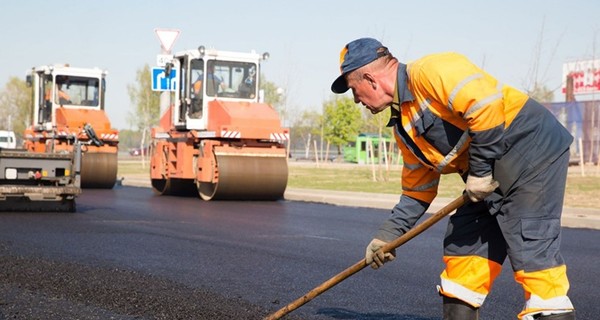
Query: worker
<point x="61" y="96"/>
<point x="197" y="86"/>
<point x="214" y="83"/>
<point x="197" y="95"/>
<point x="247" y="87"/>
<point x="449" y="116"/>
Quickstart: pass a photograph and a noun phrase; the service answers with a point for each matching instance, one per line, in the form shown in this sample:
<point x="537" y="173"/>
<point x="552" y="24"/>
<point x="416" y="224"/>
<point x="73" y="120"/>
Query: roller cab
<point x="68" y="106"/>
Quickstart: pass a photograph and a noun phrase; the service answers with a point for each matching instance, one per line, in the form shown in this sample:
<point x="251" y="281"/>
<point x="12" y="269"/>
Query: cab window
<point x="231" y="79"/>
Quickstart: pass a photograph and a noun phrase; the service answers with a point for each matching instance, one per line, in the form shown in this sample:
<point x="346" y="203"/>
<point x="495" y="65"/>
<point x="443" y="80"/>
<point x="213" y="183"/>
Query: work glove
<point x="478" y="188"/>
<point x="375" y="256"/>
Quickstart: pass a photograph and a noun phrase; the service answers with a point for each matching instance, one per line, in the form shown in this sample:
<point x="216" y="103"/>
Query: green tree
<point x="376" y="123"/>
<point x="146" y="104"/>
<point x="272" y="93"/>
<point x="145" y="101"/>
<point x="342" y="121"/>
<point x="275" y="96"/>
<point x="129" y="139"/>
<point x="305" y="127"/>
<point x="15" y="106"/>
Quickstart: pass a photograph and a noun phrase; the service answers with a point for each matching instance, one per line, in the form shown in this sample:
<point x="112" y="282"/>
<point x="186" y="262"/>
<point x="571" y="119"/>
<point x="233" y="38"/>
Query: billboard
<point x="586" y="76"/>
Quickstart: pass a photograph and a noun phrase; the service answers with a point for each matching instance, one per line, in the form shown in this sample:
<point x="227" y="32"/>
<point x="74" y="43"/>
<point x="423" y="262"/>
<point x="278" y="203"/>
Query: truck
<point x="69" y="106"/>
<point x="216" y="137"/>
<point x="39" y="181"/>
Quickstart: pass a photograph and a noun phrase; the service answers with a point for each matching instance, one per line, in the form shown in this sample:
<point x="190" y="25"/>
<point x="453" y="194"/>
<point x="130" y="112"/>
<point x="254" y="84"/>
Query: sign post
<point x="167" y="38"/>
<point x="163" y="82"/>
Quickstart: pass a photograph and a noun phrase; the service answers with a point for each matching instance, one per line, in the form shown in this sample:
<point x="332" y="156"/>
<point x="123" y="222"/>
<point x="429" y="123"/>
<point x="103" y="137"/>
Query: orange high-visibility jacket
<point x="60" y="94"/>
<point x="450" y="116"/>
<point x="467" y="107"/>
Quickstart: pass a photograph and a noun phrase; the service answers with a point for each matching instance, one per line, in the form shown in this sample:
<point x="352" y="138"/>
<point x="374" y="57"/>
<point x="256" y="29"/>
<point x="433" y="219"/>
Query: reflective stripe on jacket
<point x="454" y="123"/>
<point x="449" y="116"/>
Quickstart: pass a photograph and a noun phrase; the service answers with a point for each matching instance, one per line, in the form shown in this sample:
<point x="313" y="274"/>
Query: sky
<point x="507" y="38"/>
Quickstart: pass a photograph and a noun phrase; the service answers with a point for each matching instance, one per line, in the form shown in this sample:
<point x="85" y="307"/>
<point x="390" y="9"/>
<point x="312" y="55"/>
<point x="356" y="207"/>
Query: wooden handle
<point x="449" y="208"/>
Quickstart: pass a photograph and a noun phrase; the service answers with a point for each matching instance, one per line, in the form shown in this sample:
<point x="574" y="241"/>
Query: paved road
<point x="572" y="217"/>
<point x="127" y="254"/>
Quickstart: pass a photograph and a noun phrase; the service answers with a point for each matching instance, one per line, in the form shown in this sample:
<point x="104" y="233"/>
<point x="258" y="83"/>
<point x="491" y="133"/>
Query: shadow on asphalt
<point x="338" y="313"/>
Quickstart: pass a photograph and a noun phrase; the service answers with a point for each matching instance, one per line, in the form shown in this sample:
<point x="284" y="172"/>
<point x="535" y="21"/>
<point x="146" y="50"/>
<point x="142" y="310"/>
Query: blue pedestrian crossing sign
<point x="160" y="82"/>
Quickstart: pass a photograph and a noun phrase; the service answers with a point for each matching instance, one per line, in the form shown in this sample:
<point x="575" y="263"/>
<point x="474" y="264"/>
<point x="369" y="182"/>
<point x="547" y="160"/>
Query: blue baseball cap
<point x="354" y="55"/>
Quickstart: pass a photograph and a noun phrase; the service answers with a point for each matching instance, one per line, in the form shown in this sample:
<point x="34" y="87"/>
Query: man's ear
<point x="369" y="78"/>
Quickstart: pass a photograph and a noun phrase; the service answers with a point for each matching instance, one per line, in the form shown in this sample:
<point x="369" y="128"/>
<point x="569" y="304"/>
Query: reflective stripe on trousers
<point x="526" y="229"/>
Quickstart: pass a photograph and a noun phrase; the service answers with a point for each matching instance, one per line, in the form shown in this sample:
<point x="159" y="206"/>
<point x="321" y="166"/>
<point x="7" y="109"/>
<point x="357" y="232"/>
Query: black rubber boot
<point x="455" y="309"/>
<point x="560" y="316"/>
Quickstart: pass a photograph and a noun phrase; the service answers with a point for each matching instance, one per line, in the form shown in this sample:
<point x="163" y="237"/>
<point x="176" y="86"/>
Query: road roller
<point x="216" y="138"/>
<point x="68" y="106"/>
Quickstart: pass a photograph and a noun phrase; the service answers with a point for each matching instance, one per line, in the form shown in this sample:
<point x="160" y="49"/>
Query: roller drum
<point x="98" y="170"/>
<point x="243" y="177"/>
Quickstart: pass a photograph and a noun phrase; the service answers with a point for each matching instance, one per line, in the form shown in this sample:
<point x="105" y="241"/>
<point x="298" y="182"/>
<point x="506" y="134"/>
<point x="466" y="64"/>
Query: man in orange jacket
<point x="61" y="96"/>
<point x="449" y="116"/>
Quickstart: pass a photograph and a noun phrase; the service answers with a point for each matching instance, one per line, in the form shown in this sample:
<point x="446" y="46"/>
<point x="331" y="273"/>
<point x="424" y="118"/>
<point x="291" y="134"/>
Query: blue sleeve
<point x="486" y="147"/>
<point x="404" y="215"/>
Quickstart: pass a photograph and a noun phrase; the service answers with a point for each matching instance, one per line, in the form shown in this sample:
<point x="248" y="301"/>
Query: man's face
<point x="367" y="92"/>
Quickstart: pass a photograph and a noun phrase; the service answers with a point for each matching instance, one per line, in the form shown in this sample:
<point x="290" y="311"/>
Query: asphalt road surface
<point x="128" y="254"/>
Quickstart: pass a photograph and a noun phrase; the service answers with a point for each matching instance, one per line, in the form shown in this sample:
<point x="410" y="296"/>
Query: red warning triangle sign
<point x="167" y="37"/>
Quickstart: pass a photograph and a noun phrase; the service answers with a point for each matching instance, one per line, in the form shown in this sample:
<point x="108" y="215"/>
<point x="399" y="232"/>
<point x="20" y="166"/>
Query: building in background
<point x="580" y="113"/>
